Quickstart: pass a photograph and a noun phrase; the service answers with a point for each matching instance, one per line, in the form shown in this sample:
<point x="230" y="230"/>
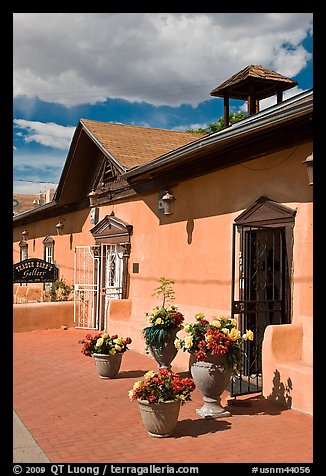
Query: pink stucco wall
<point x="193" y="246"/>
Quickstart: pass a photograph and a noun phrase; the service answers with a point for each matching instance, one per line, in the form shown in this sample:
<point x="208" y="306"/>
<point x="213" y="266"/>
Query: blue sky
<point x="144" y="69"/>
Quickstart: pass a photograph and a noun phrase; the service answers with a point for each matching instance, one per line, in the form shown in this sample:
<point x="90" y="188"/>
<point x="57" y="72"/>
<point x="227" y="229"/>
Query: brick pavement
<point x="76" y="417"/>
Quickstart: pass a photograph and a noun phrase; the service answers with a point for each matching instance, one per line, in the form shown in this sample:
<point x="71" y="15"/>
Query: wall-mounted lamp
<point x="168" y="203"/>
<point x="24" y="235"/>
<point x="92" y="198"/>
<point x="309" y="162"/>
<point x="59" y="226"/>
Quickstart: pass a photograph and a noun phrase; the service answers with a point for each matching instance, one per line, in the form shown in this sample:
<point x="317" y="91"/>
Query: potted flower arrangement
<point x="107" y="352"/>
<point x="159" y="396"/>
<point x="164" y="323"/>
<point x="216" y="350"/>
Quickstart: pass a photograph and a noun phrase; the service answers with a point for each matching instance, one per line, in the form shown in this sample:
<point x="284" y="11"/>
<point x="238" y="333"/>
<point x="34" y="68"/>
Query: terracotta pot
<point x="165" y="355"/>
<point x="211" y="377"/>
<point x="160" y="419"/>
<point x="107" y="366"/>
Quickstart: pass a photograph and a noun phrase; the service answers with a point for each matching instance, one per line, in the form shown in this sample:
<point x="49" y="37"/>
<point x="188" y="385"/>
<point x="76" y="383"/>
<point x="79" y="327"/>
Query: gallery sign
<point x="35" y="270"/>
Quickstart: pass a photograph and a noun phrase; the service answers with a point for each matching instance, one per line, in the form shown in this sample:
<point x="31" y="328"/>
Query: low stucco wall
<point x="43" y="315"/>
<point x="287" y="370"/>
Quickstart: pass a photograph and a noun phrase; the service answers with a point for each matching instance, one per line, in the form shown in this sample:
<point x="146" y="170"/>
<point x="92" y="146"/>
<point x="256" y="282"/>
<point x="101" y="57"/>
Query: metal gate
<point x="98" y="279"/>
<point x="111" y="276"/>
<point x="86" y="287"/>
<point x="260" y="298"/>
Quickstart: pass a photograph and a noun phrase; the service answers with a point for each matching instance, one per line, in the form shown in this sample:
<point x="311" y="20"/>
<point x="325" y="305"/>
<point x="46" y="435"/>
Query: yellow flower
<point x="249" y="335"/>
<point x="234" y="334"/>
<point x="99" y="342"/>
<point x="187" y="327"/>
<point x="199" y="316"/>
<point x="155" y="311"/>
<point x="216" y="323"/>
<point x="234" y="322"/>
<point x="188" y="342"/>
<point x="119" y="340"/>
<point x="172" y="308"/>
<point x="177" y="343"/>
<point x="148" y="375"/>
<point x="105" y="336"/>
<point x="225" y="331"/>
<point x="158" y="321"/>
<point x="117" y="348"/>
<point x="112" y="351"/>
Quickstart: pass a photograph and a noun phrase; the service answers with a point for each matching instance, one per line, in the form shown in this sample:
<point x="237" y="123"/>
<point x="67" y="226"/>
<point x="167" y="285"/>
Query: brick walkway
<point x="76" y="417"/>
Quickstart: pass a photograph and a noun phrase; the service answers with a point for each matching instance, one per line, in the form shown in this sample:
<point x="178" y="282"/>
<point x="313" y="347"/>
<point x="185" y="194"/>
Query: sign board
<point x="35" y="270"/>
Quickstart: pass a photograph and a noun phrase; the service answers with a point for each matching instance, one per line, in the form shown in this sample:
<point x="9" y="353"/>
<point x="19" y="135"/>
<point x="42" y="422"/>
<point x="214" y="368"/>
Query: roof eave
<point x="269" y="117"/>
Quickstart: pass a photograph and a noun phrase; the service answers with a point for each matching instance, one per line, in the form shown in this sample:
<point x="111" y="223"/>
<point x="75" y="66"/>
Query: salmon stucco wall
<point x="47" y="315"/>
<point x="193" y="246"/>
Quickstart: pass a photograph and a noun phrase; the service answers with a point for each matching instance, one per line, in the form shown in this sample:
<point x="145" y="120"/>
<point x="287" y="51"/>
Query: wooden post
<point x="226" y="111"/>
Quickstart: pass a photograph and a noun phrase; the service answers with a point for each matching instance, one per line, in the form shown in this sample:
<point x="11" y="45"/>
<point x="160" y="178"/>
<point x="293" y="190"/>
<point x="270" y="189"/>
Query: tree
<point x="217" y="126"/>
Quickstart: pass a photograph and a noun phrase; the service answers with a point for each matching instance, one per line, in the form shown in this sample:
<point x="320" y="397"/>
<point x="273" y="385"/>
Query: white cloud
<point x="161" y="58"/>
<point x="46" y="133"/>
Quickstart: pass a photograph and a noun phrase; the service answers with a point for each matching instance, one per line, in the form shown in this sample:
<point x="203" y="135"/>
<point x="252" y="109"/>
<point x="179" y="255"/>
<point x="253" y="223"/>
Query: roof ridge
<point x="141" y="127"/>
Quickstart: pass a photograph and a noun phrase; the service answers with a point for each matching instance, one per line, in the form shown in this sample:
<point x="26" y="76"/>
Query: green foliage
<point x="166" y="290"/>
<point x="220" y="124"/>
<point x="155" y="336"/>
<point x="162" y="318"/>
<point x="60" y="290"/>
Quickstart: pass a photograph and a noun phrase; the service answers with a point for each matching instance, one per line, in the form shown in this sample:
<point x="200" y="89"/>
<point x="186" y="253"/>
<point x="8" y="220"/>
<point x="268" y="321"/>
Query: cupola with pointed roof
<point x="252" y="84"/>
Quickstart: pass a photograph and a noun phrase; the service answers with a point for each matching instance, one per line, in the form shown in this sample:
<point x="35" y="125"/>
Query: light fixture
<point x="92" y="198"/>
<point x="59" y="227"/>
<point x="168" y="203"/>
<point x="24" y="235"/>
<point x="309" y="162"/>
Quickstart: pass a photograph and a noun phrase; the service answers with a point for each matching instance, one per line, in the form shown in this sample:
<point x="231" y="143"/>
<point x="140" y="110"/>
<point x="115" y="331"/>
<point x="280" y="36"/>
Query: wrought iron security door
<point x="261" y="298"/>
<point x="98" y="278"/>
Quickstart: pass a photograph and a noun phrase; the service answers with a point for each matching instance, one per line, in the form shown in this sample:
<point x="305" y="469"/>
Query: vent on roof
<point x="252" y="84"/>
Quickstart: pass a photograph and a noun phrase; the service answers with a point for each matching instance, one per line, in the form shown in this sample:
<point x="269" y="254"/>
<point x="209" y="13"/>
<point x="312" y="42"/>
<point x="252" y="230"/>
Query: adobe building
<point x="228" y="216"/>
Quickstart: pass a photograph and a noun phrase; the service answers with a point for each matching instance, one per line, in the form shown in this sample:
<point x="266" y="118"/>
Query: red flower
<point x="200" y="355"/>
<point x="203" y="322"/>
<point x="128" y="340"/>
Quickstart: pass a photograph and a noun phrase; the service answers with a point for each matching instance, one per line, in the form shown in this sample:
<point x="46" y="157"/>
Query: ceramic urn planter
<point x="106" y="365"/>
<point x="160" y="419"/>
<point x="211" y="376"/>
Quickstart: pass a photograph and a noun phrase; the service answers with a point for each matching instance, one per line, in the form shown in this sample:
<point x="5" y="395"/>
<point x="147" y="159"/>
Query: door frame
<point x="263" y="214"/>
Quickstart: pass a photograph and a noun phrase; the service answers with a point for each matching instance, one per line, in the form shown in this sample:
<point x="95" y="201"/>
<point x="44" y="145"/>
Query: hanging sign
<point x="35" y="270"/>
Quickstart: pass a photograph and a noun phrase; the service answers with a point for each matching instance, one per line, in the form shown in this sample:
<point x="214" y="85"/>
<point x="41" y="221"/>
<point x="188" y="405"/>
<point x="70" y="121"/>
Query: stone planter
<point x="211" y="377"/>
<point x="165" y="355"/>
<point x="107" y="366"/>
<point x="160" y="419"/>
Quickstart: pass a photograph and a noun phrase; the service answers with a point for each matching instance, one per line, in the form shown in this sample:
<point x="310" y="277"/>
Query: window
<point x="23" y="250"/>
<point x="48" y="243"/>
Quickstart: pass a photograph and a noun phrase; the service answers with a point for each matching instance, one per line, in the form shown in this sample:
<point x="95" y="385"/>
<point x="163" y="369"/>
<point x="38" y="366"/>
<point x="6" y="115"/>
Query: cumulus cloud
<point x="45" y="133"/>
<point x="161" y="58"/>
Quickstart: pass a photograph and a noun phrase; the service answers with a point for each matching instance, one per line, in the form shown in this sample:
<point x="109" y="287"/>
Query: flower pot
<point x="107" y="366"/>
<point x="164" y="355"/>
<point x="160" y="419"/>
<point x="211" y="376"/>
